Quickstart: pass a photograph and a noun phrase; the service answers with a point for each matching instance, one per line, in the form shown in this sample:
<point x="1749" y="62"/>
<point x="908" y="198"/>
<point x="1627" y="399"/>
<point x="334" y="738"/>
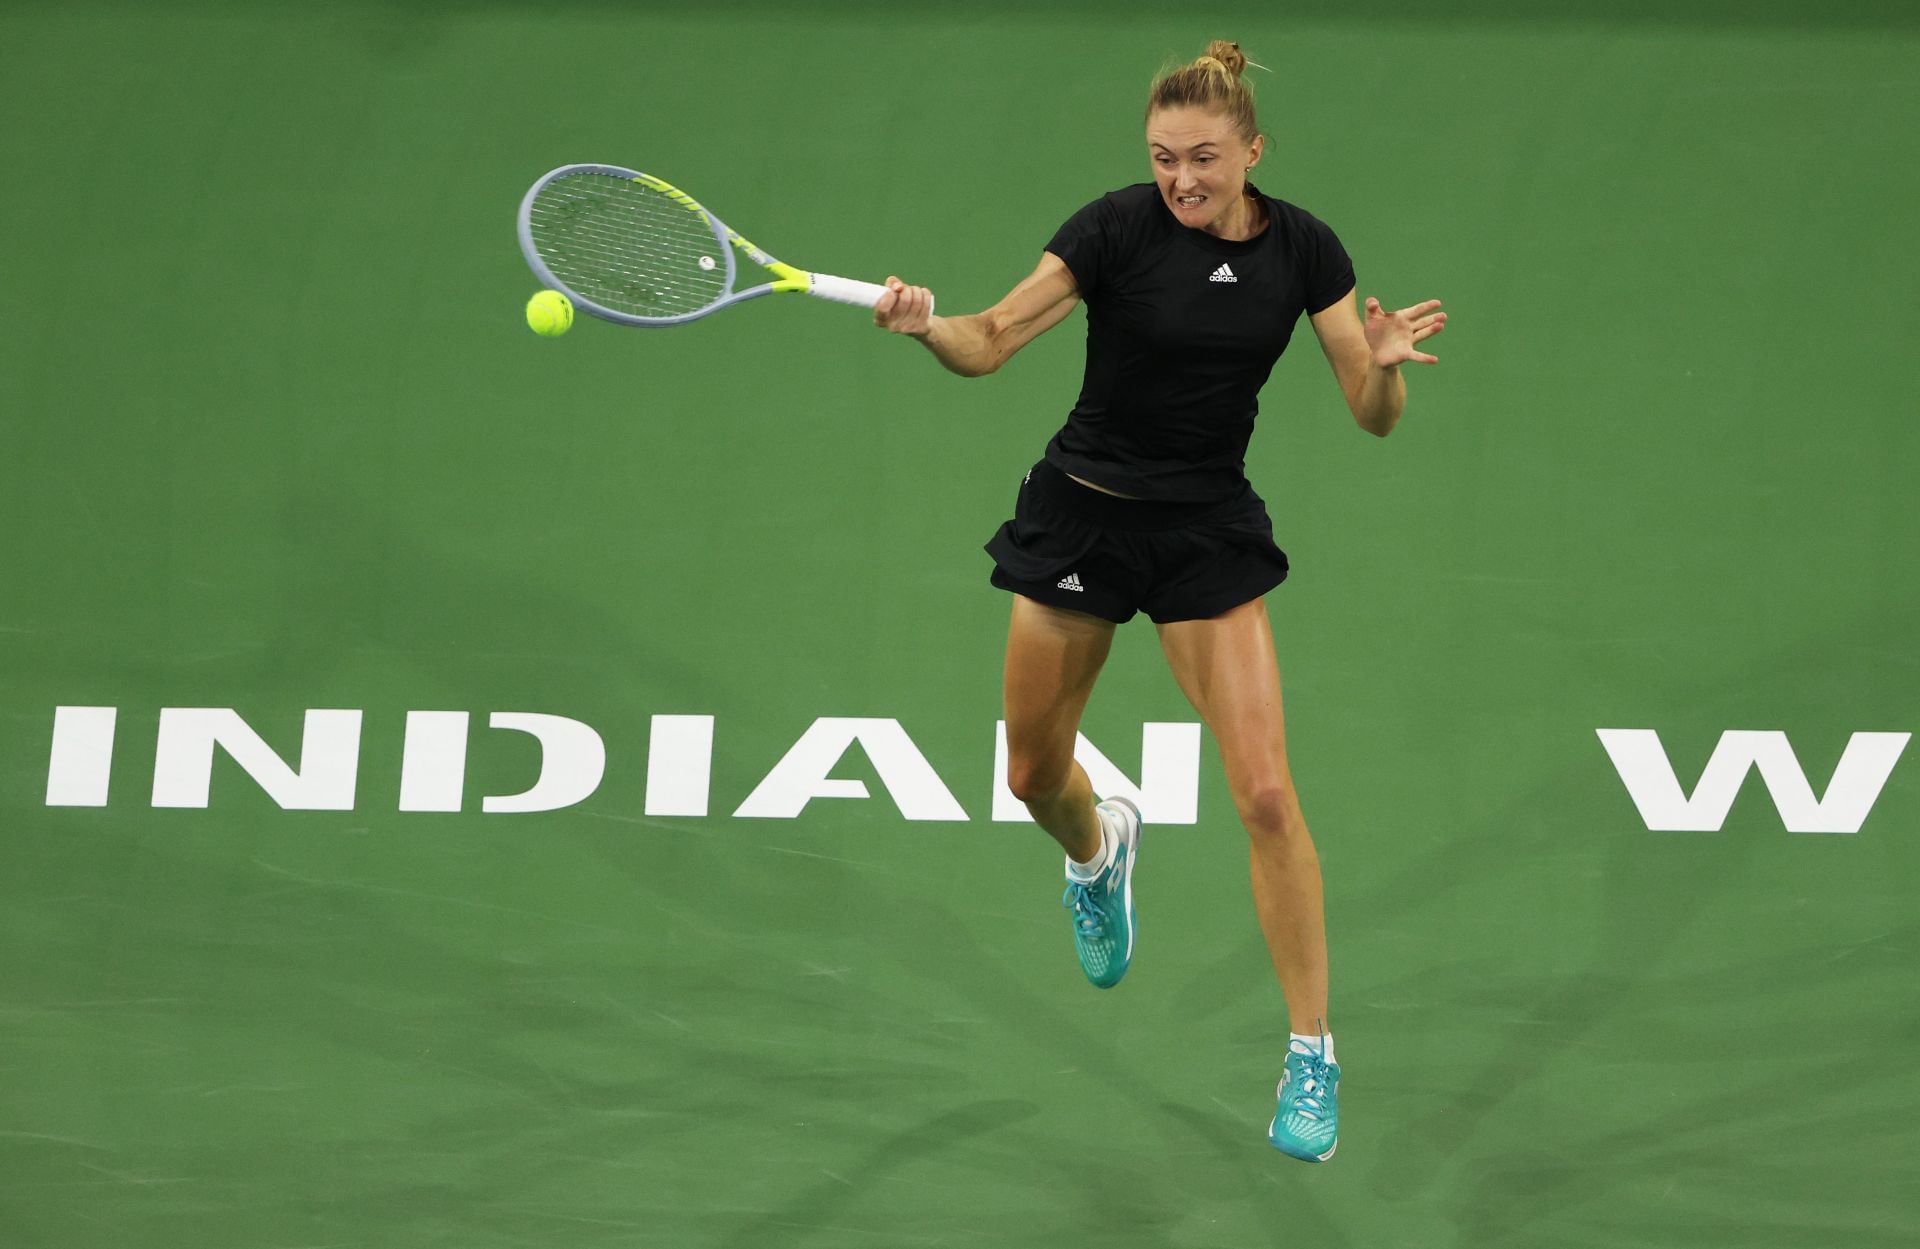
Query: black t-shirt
<point x="1182" y="330"/>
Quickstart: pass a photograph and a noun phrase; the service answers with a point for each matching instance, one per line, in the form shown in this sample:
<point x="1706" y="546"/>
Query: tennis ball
<point x="550" y="314"/>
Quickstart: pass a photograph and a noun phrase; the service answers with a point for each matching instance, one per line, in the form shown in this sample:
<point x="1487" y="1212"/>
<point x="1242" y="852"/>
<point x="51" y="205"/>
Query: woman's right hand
<point x="904" y="309"/>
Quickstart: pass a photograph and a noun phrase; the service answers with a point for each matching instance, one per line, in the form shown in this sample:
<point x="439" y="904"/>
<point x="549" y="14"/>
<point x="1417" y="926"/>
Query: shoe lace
<point x="1308" y="1102"/>
<point x="1088" y="919"/>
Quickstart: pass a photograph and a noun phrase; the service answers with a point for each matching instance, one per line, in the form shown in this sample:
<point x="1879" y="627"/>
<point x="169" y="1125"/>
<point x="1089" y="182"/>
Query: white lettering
<point x="329" y="758"/>
<point x="680" y="765"/>
<point x="433" y="761"/>
<point x="82" y="756"/>
<point x="1648" y="775"/>
<point x="572" y="761"/>
<point x="801" y="775"/>
<point x="1169" y="788"/>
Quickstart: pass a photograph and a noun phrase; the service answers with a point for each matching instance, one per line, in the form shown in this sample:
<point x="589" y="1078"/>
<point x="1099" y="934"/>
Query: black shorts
<point x="1072" y="546"/>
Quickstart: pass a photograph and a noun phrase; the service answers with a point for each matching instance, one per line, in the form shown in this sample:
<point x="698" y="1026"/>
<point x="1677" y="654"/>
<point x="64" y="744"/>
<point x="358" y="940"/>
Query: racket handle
<point x="848" y="291"/>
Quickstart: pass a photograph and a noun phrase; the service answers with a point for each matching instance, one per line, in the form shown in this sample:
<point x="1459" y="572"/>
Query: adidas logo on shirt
<point x="1072" y="582"/>
<point x="1222" y="274"/>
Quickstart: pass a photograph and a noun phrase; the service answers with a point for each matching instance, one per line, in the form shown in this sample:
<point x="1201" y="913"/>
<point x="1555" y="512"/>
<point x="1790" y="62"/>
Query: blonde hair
<point x="1212" y="81"/>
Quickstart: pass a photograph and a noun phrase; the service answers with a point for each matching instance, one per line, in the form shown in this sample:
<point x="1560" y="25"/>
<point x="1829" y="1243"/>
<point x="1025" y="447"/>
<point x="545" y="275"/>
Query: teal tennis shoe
<point x="1104" y="924"/>
<point x="1306" y="1124"/>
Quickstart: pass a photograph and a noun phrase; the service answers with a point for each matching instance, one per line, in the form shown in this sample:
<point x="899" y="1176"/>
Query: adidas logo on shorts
<point x="1072" y="582"/>
<point x="1222" y="274"/>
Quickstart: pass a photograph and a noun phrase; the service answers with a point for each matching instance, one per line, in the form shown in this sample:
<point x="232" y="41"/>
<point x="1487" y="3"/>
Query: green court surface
<point x="276" y="439"/>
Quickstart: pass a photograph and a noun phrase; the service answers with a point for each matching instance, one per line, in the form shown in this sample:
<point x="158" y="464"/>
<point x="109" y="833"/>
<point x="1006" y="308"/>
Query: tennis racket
<point x="631" y="248"/>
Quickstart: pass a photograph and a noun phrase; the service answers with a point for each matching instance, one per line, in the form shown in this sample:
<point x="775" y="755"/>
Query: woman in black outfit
<point x="1193" y="285"/>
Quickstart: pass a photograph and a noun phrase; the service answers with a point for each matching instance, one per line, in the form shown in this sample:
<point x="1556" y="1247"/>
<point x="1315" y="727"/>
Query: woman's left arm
<point x="1366" y="356"/>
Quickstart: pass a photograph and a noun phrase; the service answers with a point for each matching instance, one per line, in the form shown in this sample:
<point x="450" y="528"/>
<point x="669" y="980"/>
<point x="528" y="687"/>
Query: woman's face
<point x="1200" y="163"/>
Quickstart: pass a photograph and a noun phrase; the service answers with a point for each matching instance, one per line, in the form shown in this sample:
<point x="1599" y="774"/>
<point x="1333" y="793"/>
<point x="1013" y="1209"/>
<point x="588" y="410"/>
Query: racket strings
<point x="627" y="246"/>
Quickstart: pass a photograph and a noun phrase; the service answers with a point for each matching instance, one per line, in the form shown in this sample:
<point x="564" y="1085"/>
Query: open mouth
<point x="1189" y="201"/>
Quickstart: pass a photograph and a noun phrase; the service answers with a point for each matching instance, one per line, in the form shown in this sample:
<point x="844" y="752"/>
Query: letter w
<point x="1857" y="780"/>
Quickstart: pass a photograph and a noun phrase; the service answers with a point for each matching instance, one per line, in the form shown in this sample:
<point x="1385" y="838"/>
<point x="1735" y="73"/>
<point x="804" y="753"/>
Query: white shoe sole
<point x="1321" y="1158"/>
<point x="1130" y="835"/>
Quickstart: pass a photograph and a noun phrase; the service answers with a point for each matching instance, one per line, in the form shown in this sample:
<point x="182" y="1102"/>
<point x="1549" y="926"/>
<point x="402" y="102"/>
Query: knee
<point x="1037" y="778"/>
<point x="1269" y="808"/>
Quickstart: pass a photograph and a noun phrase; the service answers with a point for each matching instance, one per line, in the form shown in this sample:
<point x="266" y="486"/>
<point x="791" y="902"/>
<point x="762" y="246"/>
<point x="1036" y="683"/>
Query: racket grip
<point x="848" y="291"/>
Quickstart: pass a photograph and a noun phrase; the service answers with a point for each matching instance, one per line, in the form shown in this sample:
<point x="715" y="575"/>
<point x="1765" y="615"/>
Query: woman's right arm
<point x="975" y="345"/>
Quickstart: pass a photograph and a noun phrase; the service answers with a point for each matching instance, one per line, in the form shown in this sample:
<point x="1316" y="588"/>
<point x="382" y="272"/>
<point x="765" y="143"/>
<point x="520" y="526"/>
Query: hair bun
<point x="1212" y="83"/>
<point x="1227" y="55"/>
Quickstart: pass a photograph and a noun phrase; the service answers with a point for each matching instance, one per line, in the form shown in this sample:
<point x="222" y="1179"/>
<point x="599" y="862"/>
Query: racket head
<point x="625" y="246"/>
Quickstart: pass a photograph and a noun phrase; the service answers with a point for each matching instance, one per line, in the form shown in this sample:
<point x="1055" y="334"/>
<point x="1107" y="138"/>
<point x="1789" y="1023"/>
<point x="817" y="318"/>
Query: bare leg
<point x="1053" y="657"/>
<point x="1228" y="670"/>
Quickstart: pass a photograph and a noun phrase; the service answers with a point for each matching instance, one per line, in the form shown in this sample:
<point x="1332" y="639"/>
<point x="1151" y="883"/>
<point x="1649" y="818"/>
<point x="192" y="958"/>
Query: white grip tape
<point x="848" y="291"/>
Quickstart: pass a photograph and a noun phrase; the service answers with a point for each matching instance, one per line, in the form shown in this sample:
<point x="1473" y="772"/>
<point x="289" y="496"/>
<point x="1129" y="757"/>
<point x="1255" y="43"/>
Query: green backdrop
<point x="275" y="438"/>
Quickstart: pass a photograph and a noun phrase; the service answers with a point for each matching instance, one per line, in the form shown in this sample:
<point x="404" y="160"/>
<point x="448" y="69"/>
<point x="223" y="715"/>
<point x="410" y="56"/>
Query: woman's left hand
<point x="1391" y="335"/>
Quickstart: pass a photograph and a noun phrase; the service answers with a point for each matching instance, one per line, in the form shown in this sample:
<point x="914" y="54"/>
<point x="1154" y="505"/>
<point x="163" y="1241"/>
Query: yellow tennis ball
<point x="550" y="314"/>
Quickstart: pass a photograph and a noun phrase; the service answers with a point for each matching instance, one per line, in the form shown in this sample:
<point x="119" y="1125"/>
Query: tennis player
<point x="1193" y="284"/>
